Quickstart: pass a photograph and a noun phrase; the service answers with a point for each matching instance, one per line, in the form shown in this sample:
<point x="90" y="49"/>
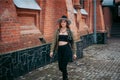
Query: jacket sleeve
<point x="74" y="46"/>
<point x="54" y="42"/>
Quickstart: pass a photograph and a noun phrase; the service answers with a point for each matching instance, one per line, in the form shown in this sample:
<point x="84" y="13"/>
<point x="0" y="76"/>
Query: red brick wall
<point x="13" y="36"/>
<point x="53" y="11"/>
<point x="9" y="31"/>
<point x="22" y="28"/>
<point x="107" y="19"/>
<point x="29" y="27"/>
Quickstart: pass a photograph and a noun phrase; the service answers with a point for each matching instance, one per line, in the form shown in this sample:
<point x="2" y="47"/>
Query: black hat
<point x="64" y="18"/>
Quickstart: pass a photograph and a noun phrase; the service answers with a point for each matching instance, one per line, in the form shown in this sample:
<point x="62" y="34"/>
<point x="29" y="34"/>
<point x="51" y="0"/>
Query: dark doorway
<point x="115" y="29"/>
<point x="116" y="13"/>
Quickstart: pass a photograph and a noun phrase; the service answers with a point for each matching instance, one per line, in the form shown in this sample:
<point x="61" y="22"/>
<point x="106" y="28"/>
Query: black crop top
<point x="63" y="38"/>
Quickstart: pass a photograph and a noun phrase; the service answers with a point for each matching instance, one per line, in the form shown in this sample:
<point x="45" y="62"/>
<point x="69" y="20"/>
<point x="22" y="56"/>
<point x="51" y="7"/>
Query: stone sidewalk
<point x="100" y="62"/>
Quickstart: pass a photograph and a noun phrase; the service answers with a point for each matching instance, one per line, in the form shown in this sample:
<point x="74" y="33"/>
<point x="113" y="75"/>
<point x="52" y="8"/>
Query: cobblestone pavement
<point x="100" y="62"/>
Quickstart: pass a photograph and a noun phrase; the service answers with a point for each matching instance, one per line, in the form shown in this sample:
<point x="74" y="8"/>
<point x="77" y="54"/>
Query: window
<point x="28" y="12"/>
<point x="108" y="2"/>
<point x="27" y="4"/>
<point x="82" y="3"/>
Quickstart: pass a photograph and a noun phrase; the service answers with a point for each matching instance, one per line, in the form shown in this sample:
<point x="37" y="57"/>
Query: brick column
<point x="77" y="6"/>
<point x="71" y="16"/>
<point x="91" y="14"/>
<point x="107" y="19"/>
<point x="83" y="28"/>
<point x="100" y="20"/>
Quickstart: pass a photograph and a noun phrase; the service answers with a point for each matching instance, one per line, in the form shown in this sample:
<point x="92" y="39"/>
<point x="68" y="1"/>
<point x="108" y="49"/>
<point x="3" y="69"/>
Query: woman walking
<point x="64" y="45"/>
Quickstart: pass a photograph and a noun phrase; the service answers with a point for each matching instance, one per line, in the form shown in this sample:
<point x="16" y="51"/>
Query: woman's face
<point x="63" y="23"/>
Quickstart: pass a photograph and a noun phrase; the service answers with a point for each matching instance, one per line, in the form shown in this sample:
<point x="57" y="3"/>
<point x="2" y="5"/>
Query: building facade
<point x="24" y="26"/>
<point x="27" y="28"/>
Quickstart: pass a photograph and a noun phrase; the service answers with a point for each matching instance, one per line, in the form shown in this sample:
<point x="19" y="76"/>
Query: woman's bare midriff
<point x="61" y="43"/>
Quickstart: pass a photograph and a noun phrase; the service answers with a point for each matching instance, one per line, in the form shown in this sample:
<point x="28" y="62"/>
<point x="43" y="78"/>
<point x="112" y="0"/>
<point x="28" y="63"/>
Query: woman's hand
<point x="74" y="56"/>
<point x="51" y="54"/>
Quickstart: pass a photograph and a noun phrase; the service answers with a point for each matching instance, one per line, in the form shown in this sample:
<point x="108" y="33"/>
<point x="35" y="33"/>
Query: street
<point x="100" y="62"/>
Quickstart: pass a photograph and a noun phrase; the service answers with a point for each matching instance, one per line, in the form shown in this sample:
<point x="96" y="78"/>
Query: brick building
<point x="24" y="22"/>
<point x="111" y="13"/>
<point x="27" y="28"/>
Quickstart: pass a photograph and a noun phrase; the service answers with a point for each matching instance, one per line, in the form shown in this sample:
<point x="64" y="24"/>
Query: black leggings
<point x="64" y="56"/>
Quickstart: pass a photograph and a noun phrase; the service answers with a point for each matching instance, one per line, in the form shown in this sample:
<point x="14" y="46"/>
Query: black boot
<point x="65" y="76"/>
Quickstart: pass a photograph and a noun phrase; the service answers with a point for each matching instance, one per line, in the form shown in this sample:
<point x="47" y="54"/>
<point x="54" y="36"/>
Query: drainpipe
<point x="95" y="35"/>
